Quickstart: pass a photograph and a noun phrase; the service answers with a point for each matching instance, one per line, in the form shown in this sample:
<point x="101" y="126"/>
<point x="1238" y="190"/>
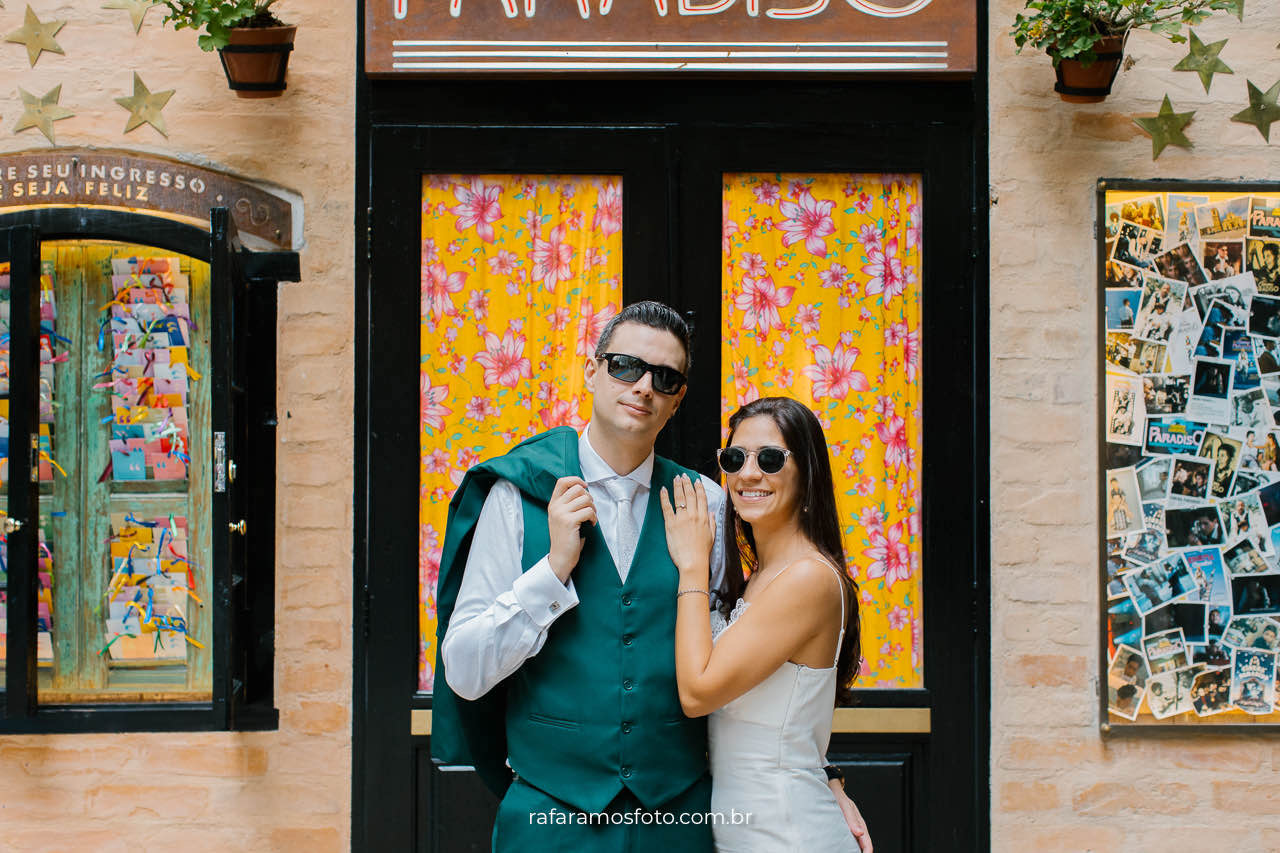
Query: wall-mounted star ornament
<point x="145" y="106"/>
<point x="137" y="10"/>
<point x="1263" y="109"/>
<point x="1165" y="128"/>
<point x="36" y="35"/>
<point x="42" y="112"/>
<point x="1203" y="59"/>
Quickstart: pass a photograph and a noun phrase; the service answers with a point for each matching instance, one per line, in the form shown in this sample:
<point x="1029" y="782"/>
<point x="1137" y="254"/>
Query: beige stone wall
<point x="277" y="791"/>
<point x="1056" y="783"/>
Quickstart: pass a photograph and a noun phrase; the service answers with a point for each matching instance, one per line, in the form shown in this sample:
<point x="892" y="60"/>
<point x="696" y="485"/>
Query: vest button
<point x="626" y="600"/>
<point x="626" y="639"/>
<point x="626" y="728"/>
<point x="627" y="684"/>
<point x="626" y="771"/>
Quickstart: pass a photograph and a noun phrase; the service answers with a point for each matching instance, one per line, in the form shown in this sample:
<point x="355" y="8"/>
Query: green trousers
<point x="531" y="820"/>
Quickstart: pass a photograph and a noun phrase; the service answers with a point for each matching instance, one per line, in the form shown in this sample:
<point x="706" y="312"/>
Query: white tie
<point x="623" y="490"/>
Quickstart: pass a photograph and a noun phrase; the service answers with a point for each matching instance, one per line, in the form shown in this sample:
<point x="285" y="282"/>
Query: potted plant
<point x="1085" y="38"/>
<point x="252" y="42"/>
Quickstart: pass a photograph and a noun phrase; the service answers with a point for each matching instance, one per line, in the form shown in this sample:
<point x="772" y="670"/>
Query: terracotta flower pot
<point x="257" y="59"/>
<point x="1081" y="84"/>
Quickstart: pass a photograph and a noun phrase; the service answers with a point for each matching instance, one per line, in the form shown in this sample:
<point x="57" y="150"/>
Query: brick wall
<point x="1056" y="783"/>
<point x="276" y="791"/>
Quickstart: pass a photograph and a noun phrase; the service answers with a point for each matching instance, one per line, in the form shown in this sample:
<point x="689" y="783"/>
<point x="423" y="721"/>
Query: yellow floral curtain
<point x="519" y="276"/>
<point x="821" y="302"/>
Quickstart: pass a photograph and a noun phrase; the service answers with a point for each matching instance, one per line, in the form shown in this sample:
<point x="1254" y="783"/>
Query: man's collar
<point x="596" y="470"/>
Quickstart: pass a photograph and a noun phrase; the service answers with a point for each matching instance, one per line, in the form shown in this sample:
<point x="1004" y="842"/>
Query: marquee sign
<point x="68" y="176"/>
<point x="406" y="37"/>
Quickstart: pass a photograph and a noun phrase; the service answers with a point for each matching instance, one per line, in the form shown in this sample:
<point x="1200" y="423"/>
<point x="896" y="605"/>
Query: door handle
<point x="12" y="525"/>
<point x="237" y="527"/>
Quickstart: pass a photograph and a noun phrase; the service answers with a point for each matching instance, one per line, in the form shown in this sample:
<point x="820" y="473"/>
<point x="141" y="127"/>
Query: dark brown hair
<point x="818" y="518"/>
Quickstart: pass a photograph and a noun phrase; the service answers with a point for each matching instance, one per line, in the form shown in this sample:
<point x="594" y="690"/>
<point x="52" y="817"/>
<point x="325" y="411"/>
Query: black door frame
<point x="391" y="778"/>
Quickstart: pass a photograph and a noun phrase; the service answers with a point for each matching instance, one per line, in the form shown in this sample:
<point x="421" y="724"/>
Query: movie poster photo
<point x="1249" y="410"/>
<point x="1242" y="518"/>
<point x="1136" y="245"/>
<point x="1122" y="308"/>
<point x="1211" y="692"/>
<point x="1211" y="653"/>
<point x="1244" y="558"/>
<point x="1125" y="412"/>
<point x="1153" y="481"/>
<point x="1255" y="594"/>
<point x="1126" y="680"/>
<point x="1264" y="217"/>
<point x="1180" y="262"/>
<point x="1238" y="345"/>
<point x="1124" y="506"/>
<point x="1166" y="394"/>
<point x="1253" y="681"/>
<point x="1216" y="618"/>
<point x="1252" y="632"/>
<point x="1187" y="616"/>
<point x="1166" y="651"/>
<point x="1267" y="352"/>
<point x="1264" y="316"/>
<point x="1159" y="583"/>
<point x="1169" y="693"/>
<point x="1189" y="482"/>
<point x="1262" y="259"/>
<point x="1223" y="220"/>
<point x="1180" y="218"/>
<point x="1207" y="571"/>
<point x="1222" y="258"/>
<point x="1210" y="391"/>
<point x="1174" y="436"/>
<point x="1192" y="527"/>
<point x="1161" y="304"/>
<point x="1237" y="291"/>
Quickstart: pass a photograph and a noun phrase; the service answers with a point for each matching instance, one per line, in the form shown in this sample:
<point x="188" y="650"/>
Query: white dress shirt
<point x="502" y="615"/>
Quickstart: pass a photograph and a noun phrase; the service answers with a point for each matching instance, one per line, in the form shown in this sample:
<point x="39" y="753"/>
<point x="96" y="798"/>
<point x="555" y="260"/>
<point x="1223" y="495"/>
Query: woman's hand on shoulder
<point x="690" y="528"/>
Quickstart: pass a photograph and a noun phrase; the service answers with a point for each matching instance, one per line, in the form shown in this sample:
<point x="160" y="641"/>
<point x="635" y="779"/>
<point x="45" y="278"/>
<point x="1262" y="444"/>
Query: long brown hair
<point x="818" y="518"/>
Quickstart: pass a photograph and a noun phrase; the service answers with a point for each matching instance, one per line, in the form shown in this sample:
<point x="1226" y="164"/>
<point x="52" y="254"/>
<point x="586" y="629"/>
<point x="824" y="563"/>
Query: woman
<point x="769" y="670"/>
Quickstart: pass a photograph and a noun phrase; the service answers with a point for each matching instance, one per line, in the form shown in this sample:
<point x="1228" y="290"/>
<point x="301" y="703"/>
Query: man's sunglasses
<point x="628" y="368"/>
<point x="768" y="459"/>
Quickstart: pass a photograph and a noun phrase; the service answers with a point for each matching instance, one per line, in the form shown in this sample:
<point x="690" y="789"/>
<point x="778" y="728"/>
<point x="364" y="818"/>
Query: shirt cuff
<point x="541" y="595"/>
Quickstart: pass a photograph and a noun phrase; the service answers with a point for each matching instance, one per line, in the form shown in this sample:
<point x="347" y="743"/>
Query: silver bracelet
<point x="690" y="591"/>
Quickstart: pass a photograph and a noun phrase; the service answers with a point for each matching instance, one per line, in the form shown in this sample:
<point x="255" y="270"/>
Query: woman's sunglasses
<point x="628" y="368"/>
<point x="768" y="459"/>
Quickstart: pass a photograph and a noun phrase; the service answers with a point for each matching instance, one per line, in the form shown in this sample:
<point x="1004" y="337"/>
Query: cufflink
<point x="555" y="606"/>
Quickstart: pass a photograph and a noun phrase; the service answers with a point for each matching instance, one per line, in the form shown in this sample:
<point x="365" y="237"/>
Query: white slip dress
<point x="767" y="750"/>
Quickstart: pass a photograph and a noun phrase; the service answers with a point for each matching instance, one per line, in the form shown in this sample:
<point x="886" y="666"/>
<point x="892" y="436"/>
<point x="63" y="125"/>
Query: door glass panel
<point x="123" y="466"/>
<point x="821" y="282"/>
<point x="519" y="275"/>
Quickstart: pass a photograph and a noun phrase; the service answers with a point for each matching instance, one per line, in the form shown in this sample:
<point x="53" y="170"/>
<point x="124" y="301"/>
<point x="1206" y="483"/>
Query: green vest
<point x="597" y="708"/>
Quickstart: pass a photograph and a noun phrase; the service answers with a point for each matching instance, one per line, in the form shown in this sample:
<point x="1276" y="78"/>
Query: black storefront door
<point x="915" y="758"/>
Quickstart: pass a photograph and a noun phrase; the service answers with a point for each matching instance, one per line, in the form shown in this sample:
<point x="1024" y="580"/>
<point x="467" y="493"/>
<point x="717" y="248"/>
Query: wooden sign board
<point x="531" y="37"/>
<point x="69" y="176"/>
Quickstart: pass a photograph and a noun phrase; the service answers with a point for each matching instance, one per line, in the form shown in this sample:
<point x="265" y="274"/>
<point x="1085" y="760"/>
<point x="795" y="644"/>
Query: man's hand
<point x="569" y="507"/>
<point x="852" y="816"/>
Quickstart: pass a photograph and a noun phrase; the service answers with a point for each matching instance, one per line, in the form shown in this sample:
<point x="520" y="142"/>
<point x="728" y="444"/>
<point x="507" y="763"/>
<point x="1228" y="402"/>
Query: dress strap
<point x="840" y="586"/>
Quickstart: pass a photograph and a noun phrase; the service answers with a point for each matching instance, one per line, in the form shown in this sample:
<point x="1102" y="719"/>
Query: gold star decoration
<point x="37" y="36"/>
<point x="42" y="112"/>
<point x="137" y="10"/>
<point x="1203" y="59"/>
<point x="1263" y="109"/>
<point x="144" y="107"/>
<point x="1165" y="128"/>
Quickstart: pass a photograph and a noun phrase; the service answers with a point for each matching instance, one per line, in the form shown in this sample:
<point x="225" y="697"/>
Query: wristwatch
<point x="834" y="772"/>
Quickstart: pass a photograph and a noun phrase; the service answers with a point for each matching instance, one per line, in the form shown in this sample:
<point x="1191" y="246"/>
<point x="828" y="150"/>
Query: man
<point x="575" y="627"/>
